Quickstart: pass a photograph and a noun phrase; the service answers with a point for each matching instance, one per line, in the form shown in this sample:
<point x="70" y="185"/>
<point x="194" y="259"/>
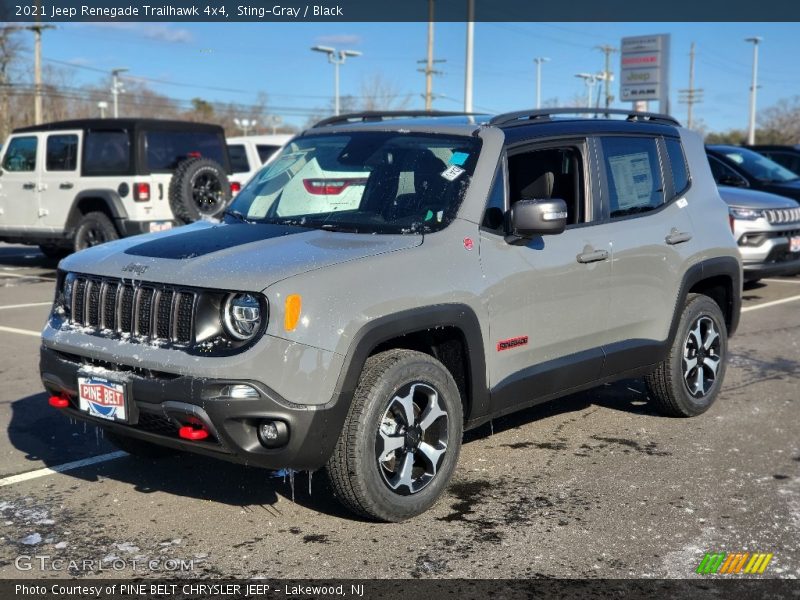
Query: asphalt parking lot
<point x="593" y="485"/>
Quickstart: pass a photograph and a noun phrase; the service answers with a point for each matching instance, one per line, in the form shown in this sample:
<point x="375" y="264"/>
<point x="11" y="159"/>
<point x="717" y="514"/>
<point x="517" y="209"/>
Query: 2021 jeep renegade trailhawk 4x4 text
<point x="390" y="281"/>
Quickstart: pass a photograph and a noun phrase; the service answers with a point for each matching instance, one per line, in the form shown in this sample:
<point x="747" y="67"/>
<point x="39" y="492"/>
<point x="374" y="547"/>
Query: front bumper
<point x="162" y="402"/>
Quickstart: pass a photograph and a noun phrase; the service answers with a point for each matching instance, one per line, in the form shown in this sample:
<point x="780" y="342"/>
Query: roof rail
<point x="523" y="117"/>
<point x="380" y="115"/>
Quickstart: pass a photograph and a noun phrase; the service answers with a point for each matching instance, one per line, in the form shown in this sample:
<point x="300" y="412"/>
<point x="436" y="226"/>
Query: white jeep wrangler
<point x="74" y="184"/>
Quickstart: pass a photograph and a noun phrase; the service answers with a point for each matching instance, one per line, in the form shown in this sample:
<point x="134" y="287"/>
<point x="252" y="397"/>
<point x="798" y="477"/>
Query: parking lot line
<point x="77" y="464"/>
<point x="781" y="280"/>
<point x="29" y="304"/>
<point x="20" y="331"/>
<point x="773" y="303"/>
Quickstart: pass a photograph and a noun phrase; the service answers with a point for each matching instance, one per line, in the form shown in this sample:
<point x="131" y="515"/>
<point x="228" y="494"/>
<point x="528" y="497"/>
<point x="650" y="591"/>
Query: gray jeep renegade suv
<point x="392" y="280"/>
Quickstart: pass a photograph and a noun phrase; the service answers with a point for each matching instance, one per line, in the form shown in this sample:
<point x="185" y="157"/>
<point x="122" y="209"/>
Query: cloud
<point x="342" y="39"/>
<point x="151" y="31"/>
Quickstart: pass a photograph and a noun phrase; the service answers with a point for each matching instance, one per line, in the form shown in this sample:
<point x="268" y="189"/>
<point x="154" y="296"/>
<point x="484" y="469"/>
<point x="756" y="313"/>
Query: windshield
<point x="759" y="166"/>
<point x="364" y="182"/>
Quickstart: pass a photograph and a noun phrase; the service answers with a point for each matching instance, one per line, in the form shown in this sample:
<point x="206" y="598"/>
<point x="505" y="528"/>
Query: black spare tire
<point x="199" y="188"/>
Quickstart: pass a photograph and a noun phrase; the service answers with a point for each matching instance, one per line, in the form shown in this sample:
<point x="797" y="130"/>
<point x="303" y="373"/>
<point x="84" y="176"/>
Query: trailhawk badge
<point x="102" y="398"/>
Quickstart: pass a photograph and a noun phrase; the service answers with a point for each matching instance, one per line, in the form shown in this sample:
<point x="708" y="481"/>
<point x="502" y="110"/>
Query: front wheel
<point x="400" y="442"/>
<point x="688" y="382"/>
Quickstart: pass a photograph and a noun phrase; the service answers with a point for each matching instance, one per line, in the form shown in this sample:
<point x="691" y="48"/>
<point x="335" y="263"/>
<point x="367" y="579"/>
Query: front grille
<point x="155" y="423"/>
<point x="143" y="311"/>
<point x="780" y="216"/>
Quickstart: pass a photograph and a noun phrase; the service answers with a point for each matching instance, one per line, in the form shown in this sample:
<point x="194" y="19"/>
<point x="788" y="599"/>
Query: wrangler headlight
<point x="241" y="316"/>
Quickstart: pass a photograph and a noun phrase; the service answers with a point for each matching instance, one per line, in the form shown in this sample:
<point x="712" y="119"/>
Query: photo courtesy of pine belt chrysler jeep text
<point x="391" y="280"/>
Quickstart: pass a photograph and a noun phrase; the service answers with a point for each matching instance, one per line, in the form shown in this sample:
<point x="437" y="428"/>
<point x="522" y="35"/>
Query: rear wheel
<point x="400" y="442"/>
<point x="688" y="382"/>
<point x="138" y="447"/>
<point x="94" y="228"/>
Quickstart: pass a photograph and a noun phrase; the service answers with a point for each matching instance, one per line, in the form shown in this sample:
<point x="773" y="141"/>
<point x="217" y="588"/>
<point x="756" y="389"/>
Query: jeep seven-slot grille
<point x="782" y="215"/>
<point x="144" y="310"/>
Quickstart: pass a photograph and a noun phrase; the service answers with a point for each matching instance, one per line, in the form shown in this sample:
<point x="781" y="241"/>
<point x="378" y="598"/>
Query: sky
<point x="233" y="62"/>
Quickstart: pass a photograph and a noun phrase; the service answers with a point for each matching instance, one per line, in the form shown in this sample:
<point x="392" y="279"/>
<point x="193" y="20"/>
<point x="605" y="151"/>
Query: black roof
<point x="121" y="124"/>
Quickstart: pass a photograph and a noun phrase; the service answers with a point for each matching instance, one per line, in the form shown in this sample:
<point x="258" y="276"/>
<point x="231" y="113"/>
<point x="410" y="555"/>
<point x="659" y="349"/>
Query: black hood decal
<point x="199" y="242"/>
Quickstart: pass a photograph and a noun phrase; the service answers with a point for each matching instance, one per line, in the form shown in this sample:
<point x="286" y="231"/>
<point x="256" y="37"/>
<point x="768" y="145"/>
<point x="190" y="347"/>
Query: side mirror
<point x="529" y="218"/>
<point x="732" y="180"/>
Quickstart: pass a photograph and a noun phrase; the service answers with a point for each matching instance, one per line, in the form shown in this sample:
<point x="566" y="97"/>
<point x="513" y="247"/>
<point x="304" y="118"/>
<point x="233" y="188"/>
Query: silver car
<point x="767" y="230"/>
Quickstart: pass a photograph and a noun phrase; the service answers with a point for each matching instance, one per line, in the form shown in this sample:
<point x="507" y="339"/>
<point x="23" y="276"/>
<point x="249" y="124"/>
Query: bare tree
<point x="378" y="93"/>
<point x="780" y="124"/>
<point x="10" y="47"/>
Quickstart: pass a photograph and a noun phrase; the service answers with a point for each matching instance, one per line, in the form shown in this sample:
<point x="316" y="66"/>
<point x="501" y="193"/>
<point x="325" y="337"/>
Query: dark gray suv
<point x="390" y="281"/>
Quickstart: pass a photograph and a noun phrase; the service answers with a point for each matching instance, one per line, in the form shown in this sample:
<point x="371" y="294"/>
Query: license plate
<point x="794" y="244"/>
<point x="102" y="398"/>
<point x="160" y="226"/>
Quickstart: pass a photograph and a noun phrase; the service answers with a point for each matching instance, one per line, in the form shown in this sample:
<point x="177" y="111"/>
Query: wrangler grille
<point x="782" y="215"/>
<point x="144" y="311"/>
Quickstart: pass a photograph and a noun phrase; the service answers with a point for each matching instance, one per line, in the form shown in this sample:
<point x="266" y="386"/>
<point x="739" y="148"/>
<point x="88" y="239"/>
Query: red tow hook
<point x="189" y="432"/>
<point x="58" y="402"/>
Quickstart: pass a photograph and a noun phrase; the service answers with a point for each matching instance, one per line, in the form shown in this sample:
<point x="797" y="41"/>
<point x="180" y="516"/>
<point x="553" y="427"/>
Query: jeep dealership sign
<point x="644" y="69"/>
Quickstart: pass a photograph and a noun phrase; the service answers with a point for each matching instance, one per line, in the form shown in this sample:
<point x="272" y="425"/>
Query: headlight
<point x="746" y="214"/>
<point x="241" y="315"/>
<point x="66" y="294"/>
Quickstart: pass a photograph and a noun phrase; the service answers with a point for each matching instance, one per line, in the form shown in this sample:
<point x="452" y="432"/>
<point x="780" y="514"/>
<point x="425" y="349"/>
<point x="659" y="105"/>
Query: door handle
<point x="65" y="186"/>
<point x="29" y="186"/>
<point x="677" y="237"/>
<point x="592" y="256"/>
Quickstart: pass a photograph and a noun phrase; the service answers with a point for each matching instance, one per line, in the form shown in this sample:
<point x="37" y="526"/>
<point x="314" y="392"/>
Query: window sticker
<point x="633" y="178"/>
<point x="458" y="158"/>
<point x="452" y="173"/>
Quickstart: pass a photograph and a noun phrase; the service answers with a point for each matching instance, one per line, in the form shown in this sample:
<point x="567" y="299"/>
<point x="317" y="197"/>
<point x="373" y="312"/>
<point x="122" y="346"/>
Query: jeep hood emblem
<point x="137" y="268"/>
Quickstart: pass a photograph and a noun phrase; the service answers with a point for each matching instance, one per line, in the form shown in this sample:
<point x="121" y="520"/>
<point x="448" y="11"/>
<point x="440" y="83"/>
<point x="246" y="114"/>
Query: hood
<point x="247" y="257"/>
<point x="747" y="198"/>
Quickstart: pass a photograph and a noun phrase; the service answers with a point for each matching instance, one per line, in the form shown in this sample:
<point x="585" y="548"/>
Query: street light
<point x="116" y="88"/>
<point x="245" y="124"/>
<point x="751" y="129"/>
<point x="102" y="105"/>
<point x="336" y="58"/>
<point x="590" y="79"/>
<point x="539" y="60"/>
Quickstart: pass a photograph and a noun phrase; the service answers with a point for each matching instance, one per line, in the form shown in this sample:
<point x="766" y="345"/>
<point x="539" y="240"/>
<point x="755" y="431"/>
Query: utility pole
<point x="751" y="129"/>
<point x="691" y="95"/>
<point x="609" y="76"/>
<point x="116" y="88"/>
<point x="470" y="44"/>
<point x="429" y="62"/>
<point x="539" y="60"/>
<point x="37" y="30"/>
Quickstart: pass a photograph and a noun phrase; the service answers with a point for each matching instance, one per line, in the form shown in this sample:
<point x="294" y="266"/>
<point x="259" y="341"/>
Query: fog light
<point x="240" y="391"/>
<point x="273" y="434"/>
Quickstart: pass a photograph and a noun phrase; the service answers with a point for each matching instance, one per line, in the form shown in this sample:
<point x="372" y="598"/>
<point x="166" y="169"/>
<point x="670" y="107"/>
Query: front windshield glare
<point x="759" y="166"/>
<point x="364" y="182"/>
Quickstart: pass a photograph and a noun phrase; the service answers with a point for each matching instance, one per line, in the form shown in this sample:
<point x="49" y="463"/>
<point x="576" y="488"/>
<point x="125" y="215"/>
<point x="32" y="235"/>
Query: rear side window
<point x="677" y="162"/>
<point x="165" y="149"/>
<point x="107" y="153"/>
<point x="21" y="154"/>
<point x="238" y="156"/>
<point x="266" y="151"/>
<point x="62" y="152"/>
<point x="634" y="175"/>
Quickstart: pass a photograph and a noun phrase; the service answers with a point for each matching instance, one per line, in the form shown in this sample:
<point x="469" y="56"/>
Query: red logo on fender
<point x="512" y="343"/>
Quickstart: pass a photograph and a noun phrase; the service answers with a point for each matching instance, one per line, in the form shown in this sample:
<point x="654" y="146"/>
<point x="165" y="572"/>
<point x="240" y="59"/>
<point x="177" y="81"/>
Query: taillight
<point x="331" y="187"/>
<point x="235" y="187"/>
<point x="194" y="154"/>
<point x="141" y="192"/>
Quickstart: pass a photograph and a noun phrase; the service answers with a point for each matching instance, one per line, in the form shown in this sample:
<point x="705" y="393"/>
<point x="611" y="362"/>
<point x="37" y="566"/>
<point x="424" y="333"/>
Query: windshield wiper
<point x="236" y="215"/>
<point x="339" y="228"/>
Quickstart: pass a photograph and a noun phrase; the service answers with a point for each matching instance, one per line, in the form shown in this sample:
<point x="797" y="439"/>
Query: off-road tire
<point x="54" y="251"/>
<point x="139" y="448"/>
<point x="94" y="228"/>
<point x="186" y="205"/>
<point x="667" y="386"/>
<point x="353" y="469"/>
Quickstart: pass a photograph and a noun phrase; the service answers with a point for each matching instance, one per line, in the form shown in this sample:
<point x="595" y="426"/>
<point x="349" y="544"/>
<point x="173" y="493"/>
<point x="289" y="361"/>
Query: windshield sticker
<point x="429" y="215"/>
<point x="458" y="158"/>
<point x="452" y="173"/>
<point x="439" y="216"/>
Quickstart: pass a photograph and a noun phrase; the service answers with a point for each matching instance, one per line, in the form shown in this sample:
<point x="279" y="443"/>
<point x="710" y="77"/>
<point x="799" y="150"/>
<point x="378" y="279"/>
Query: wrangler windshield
<point x="365" y="182"/>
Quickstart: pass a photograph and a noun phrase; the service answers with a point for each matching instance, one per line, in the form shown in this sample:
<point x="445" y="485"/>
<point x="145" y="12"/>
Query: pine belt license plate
<point x="103" y="398"/>
<point x="794" y="244"/>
